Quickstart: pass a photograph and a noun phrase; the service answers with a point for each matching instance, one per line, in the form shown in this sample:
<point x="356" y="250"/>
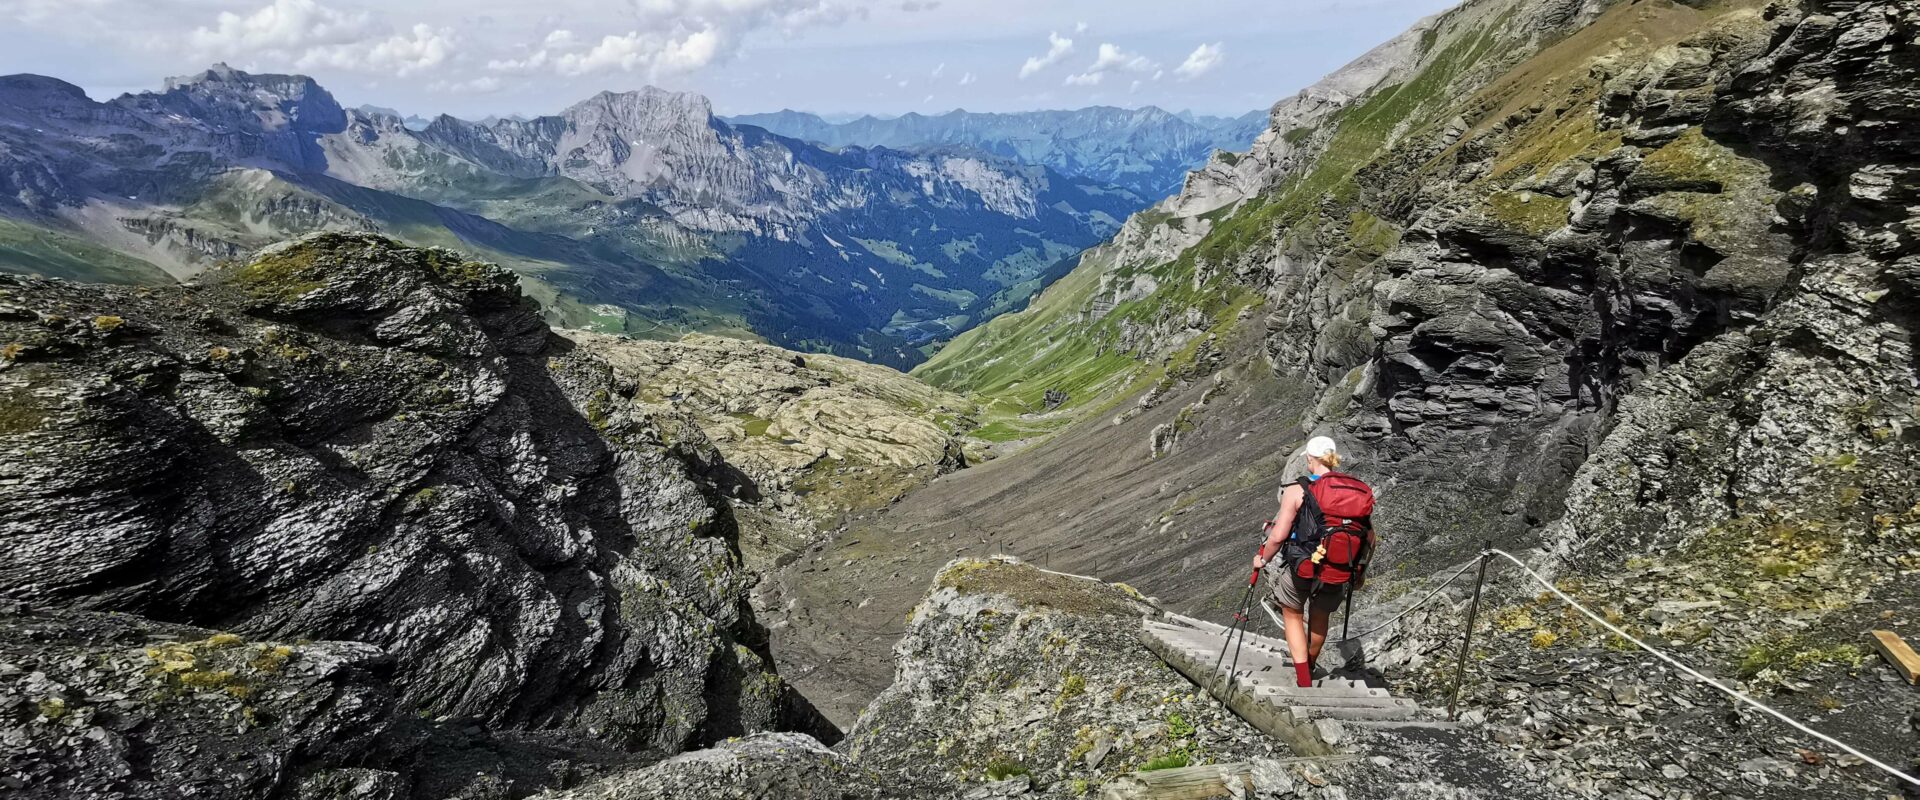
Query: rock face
<point x="1013" y="682"/>
<point x="1006" y="669"/>
<point x="769" y="766"/>
<point x="348" y="439"/>
<point x="112" y="706"/>
<point x="813" y="437"/>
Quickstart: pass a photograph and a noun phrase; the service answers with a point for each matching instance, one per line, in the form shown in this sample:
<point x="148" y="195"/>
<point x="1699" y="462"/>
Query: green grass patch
<point x="1174" y="760"/>
<point x="33" y="250"/>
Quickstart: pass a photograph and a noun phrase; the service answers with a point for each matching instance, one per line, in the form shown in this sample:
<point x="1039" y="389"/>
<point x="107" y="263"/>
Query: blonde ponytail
<point x="1332" y="460"/>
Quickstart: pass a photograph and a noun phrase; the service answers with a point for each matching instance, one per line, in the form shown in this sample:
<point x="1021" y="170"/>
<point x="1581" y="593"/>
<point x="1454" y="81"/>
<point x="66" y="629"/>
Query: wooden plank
<point x="1259" y="712"/>
<point x="1184" y="783"/>
<point x="1899" y="654"/>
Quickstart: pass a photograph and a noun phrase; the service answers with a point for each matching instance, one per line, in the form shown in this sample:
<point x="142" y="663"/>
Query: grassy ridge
<point x="33" y="250"/>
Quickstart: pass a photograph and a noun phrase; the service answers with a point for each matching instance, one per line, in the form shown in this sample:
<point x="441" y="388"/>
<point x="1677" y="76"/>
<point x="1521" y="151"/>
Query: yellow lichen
<point x="272" y="658"/>
<point x="1533" y="214"/>
<point x="52" y="708"/>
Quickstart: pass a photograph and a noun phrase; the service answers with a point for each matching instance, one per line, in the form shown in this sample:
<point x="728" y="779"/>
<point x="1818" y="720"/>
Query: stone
<point x="1330" y="730"/>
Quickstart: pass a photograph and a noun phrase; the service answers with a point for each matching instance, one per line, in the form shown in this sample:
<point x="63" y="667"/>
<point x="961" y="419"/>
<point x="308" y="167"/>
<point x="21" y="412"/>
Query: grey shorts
<point x="1291" y="591"/>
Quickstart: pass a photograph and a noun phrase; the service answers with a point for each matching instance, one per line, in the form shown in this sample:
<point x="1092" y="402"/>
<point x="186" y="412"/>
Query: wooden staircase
<point x="1262" y="688"/>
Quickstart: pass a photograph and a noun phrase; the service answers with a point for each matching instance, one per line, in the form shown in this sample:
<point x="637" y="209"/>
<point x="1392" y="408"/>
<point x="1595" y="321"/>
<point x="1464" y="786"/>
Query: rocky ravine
<point x="1625" y="286"/>
<point x="1014" y="682"/>
<point x="349" y="521"/>
<point x="348" y="440"/>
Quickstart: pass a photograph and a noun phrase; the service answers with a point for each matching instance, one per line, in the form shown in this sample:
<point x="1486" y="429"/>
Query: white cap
<point x="1319" y="446"/>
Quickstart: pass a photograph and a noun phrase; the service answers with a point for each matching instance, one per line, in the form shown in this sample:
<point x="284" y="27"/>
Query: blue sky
<point x="478" y="57"/>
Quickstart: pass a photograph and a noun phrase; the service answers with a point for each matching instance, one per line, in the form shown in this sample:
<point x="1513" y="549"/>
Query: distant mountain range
<point x="636" y="213"/>
<point x="1147" y="150"/>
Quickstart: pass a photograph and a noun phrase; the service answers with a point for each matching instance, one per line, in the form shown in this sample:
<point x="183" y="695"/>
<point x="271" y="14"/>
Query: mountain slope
<point x="635" y="212"/>
<point x="1146" y="150"/>
<point x="1615" y="286"/>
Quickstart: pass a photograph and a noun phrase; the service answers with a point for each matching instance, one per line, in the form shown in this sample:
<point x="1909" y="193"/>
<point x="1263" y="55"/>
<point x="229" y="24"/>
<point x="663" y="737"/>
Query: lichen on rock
<point x="350" y="439"/>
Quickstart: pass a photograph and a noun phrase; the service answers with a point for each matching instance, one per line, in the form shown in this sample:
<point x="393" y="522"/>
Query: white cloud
<point x="1202" y="60"/>
<point x="1112" y="59"/>
<point x="307" y="34"/>
<point x="938" y="70"/>
<point x="1080" y="27"/>
<point x="636" y="51"/>
<point x="423" y="48"/>
<point x="1058" y="47"/>
<point x="966" y="79"/>
<point x="675" y="37"/>
<point x="284" y="25"/>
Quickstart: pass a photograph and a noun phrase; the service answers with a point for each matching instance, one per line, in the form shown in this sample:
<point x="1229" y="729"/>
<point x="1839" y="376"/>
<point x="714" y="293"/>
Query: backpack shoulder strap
<point x="1307" y="499"/>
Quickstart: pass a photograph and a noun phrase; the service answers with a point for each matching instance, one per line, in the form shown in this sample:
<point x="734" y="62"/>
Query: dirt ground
<point x="1092" y="500"/>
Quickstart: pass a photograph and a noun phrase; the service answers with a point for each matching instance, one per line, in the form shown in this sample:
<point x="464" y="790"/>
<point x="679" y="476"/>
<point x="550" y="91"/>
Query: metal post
<point x="1346" y="612"/>
<point x="1466" y="643"/>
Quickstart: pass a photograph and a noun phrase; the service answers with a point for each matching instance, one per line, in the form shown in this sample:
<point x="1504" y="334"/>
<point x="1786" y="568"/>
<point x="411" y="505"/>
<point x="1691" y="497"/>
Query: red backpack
<point x="1336" y="511"/>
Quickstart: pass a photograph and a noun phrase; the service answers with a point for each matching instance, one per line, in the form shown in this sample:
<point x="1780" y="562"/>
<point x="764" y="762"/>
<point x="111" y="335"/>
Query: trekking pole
<point x="1246" y="620"/>
<point x="1466" y="644"/>
<point x="1238" y="618"/>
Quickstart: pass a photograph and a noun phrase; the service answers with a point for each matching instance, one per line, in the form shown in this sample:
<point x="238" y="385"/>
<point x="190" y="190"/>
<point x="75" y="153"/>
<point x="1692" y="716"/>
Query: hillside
<point x="1617" y="286"/>
<point x="1147" y="150"/>
<point x="637" y="213"/>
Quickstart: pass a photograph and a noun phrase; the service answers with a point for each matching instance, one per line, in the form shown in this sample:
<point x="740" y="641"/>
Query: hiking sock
<point x="1303" y="673"/>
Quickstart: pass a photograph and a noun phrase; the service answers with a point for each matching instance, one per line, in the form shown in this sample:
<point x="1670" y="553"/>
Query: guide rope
<point x="1699" y="676"/>
<point x="1629" y="638"/>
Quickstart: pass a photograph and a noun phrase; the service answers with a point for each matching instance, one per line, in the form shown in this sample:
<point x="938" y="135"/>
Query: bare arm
<point x="1290" y="502"/>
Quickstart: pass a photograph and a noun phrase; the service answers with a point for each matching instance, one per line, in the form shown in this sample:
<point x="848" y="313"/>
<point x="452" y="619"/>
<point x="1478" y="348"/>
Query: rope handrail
<point x="1700" y="676"/>
<point x="1615" y="630"/>
<point x="1410" y="609"/>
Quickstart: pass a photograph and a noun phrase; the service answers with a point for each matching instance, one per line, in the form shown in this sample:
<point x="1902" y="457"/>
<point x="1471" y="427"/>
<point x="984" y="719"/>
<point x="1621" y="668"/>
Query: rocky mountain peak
<point x="24" y="89"/>
<point x="645" y="109"/>
<point x="258" y="117"/>
<point x="300" y="99"/>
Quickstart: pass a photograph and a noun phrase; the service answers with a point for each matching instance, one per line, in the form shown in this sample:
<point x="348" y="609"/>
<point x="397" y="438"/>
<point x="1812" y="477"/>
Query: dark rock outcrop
<point x="768" y="766"/>
<point x="347" y="439"/>
<point x="113" y="706"/>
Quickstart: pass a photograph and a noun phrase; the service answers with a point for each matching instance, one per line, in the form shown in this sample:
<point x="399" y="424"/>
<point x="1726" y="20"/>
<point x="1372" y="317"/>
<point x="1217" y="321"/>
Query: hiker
<point x="1318" y="546"/>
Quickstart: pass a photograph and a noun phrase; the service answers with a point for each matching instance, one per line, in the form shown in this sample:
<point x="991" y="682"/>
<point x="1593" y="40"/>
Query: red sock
<point x="1304" y="674"/>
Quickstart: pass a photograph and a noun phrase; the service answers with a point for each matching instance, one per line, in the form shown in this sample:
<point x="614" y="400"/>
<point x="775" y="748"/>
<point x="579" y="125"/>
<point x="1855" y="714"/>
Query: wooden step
<point x="1259" y="686"/>
<point x="1347" y="713"/>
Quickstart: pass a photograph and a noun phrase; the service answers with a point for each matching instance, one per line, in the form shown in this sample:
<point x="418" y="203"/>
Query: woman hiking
<point x="1317" y="548"/>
